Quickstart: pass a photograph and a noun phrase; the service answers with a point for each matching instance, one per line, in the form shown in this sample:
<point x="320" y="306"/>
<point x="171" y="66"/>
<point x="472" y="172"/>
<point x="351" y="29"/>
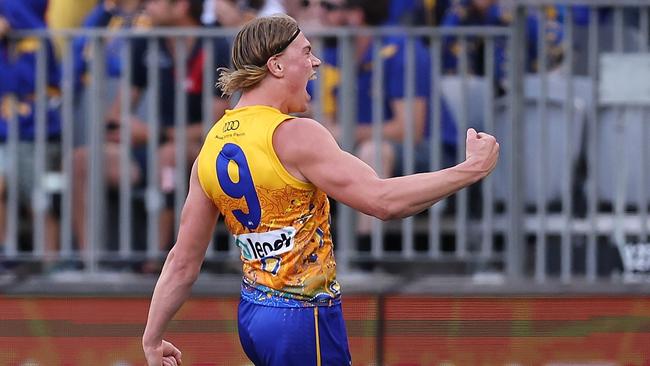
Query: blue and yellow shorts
<point x="300" y="336"/>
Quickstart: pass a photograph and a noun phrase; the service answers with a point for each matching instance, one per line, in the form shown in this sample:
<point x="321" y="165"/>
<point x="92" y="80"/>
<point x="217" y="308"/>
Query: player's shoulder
<point x="299" y="135"/>
<point x="297" y="126"/>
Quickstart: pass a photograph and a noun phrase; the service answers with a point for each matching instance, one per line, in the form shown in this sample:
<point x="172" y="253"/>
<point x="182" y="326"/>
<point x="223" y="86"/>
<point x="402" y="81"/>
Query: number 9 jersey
<point x="280" y="224"/>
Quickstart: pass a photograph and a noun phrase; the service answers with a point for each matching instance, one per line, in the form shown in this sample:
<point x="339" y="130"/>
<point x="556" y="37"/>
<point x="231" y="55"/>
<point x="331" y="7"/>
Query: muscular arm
<point x="183" y="262"/>
<point x="310" y="153"/>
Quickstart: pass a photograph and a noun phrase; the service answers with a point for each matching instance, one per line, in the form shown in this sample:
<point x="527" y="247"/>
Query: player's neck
<point x="262" y="95"/>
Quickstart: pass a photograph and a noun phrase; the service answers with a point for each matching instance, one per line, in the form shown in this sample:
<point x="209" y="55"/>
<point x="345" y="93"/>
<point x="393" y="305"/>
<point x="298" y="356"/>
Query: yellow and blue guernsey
<point x="280" y="224"/>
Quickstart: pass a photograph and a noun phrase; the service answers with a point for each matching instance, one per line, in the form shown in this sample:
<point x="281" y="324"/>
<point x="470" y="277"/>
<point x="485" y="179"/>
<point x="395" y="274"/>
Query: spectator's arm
<point x="195" y="131"/>
<point x="221" y="56"/>
<point x="395" y="91"/>
<point x="396" y="128"/>
<point x="4" y="27"/>
<point x="139" y="129"/>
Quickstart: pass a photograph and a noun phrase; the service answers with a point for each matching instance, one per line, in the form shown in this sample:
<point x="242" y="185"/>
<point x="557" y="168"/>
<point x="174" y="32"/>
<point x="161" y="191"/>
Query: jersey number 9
<point x="243" y="188"/>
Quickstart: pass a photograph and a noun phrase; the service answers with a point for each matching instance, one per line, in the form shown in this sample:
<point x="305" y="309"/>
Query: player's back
<point x="280" y="223"/>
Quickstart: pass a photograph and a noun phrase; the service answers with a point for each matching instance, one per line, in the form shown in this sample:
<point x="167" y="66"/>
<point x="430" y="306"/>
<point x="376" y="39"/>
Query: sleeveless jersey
<point x="280" y="224"/>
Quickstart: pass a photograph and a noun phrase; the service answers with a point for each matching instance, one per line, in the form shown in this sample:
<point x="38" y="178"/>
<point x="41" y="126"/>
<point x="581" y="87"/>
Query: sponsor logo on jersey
<point x="230" y="125"/>
<point x="255" y="246"/>
<point x="271" y="264"/>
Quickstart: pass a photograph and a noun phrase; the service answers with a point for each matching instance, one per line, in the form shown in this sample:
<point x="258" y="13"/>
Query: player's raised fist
<point x="482" y="151"/>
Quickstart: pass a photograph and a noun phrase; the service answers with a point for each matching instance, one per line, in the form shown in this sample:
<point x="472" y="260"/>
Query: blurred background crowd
<point x="18" y="80"/>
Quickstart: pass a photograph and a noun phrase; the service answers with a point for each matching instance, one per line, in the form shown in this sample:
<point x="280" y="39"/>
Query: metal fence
<point x="567" y="197"/>
<point x="604" y="204"/>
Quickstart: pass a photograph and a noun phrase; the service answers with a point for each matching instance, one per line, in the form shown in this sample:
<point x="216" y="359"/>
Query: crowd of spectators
<point x="18" y="65"/>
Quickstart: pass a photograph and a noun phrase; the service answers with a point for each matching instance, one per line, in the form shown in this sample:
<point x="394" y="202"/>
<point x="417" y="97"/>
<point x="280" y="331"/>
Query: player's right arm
<point x="181" y="269"/>
<point x="309" y="152"/>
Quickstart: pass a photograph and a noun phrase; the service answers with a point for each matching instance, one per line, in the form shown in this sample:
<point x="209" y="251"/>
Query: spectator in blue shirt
<point x="394" y="103"/>
<point x="20" y="68"/>
<point x="114" y="15"/>
<point x="417" y="12"/>
<point x="490" y="13"/>
<point x="18" y="82"/>
<point x="474" y="13"/>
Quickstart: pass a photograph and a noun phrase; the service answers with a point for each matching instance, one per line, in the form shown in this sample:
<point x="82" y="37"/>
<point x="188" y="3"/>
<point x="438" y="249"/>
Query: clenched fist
<point x="482" y="151"/>
<point x="163" y="354"/>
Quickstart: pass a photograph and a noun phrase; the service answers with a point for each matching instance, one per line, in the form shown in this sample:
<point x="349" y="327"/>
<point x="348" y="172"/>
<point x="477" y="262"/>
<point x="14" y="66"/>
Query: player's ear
<point x="275" y="67"/>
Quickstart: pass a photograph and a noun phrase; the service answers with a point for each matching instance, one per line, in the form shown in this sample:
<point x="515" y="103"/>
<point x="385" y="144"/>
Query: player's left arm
<point x="183" y="263"/>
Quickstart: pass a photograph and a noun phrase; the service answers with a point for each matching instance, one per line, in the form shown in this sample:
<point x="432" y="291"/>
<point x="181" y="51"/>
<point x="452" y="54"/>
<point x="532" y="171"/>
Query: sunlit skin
<point x="285" y="88"/>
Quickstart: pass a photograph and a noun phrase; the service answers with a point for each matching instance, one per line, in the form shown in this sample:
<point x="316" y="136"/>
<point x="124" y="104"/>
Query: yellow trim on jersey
<point x="279" y="168"/>
<point x="318" y="362"/>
